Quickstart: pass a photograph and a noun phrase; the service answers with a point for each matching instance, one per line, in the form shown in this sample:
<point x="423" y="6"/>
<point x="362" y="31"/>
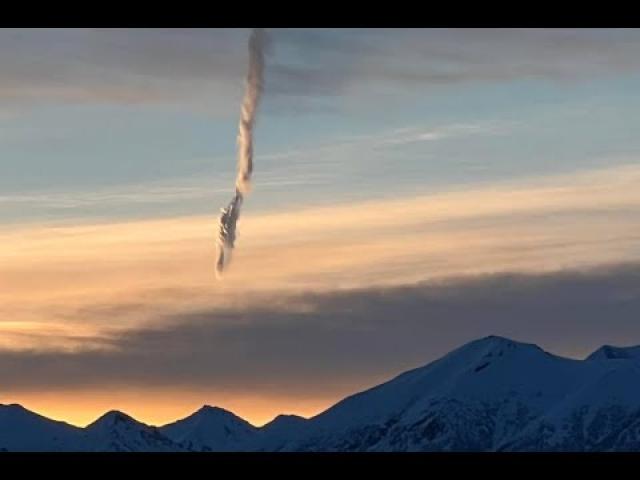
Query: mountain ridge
<point x="489" y="394"/>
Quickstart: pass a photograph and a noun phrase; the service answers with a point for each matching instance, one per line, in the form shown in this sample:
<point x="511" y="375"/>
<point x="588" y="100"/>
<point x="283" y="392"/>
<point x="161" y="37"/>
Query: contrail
<point x="229" y="215"/>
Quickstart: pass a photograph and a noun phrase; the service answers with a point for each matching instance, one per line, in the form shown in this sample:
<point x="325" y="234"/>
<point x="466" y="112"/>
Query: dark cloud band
<point x="348" y="336"/>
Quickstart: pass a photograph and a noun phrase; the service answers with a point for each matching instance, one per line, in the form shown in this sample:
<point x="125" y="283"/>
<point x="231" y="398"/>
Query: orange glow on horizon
<point x="159" y="407"/>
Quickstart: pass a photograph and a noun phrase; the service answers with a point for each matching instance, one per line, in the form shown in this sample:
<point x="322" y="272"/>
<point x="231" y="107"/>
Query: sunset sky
<point x="413" y="190"/>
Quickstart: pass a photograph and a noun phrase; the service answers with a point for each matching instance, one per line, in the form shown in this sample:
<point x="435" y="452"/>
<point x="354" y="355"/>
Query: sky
<point x="413" y="190"/>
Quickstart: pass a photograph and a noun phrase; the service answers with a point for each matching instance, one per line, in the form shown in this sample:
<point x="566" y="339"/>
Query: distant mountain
<point x="23" y="430"/>
<point x="608" y="352"/>
<point x="211" y="429"/>
<point x="273" y="436"/>
<point x="492" y="394"/>
<point x="117" y="432"/>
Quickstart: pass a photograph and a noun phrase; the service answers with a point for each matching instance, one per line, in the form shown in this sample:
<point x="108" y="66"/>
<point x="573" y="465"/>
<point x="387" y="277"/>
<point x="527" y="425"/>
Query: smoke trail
<point x="248" y="112"/>
<point x="229" y="215"/>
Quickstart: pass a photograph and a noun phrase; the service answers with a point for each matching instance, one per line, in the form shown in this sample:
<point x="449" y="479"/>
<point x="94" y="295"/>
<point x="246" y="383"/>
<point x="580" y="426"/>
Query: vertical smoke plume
<point x="248" y="111"/>
<point x="229" y="215"/>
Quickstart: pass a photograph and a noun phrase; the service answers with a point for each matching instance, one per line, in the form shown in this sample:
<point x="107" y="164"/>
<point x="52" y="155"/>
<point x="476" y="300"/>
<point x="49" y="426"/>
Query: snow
<point x="490" y="394"/>
<point x="23" y="430"/>
<point x="274" y="435"/>
<point x="211" y="428"/>
<point x="118" y="432"/>
<point x="607" y="352"/>
<point x="481" y="396"/>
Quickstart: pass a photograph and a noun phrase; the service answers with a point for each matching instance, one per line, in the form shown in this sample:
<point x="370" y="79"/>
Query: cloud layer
<point x="336" y="342"/>
<point x="321" y="301"/>
<point x="53" y="273"/>
<point x="159" y="65"/>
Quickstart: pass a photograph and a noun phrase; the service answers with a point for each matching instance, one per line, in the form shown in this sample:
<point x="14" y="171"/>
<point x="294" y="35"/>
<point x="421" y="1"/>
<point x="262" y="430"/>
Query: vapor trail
<point x="248" y="113"/>
<point x="229" y="215"/>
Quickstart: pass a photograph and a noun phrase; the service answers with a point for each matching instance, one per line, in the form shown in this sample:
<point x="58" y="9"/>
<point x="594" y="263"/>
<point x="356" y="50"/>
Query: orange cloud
<point x="72" y="282"/>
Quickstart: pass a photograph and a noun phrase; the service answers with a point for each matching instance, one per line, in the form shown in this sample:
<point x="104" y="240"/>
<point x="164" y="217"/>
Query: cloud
<point x="364" y="62"/>
<point x="351" y="337"/>
<point x="64" y="273"/>
<point x="197" y="193"/>
<point x="416" y="135"/>
<point x="119" y="65"/>
<point x="321" y="301"/>
<point x="160" y="66"/>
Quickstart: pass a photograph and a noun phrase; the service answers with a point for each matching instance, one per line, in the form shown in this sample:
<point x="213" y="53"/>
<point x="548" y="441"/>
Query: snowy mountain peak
<point x="489" y="394"/>
<point x="112" y="418"/>
<point x="23" y="430"/>
<point x="497" y="339"/>
<point x="494" y="345"/>
<point x="118" y="432"/>
<point x="14" y="409"/>
<point x="284" y="419"/>
<point x="210" y="428"/>
<point x="608" y="352"/>
<point x="215" y="411"/>
<point x="272" y="436"/>
<point x="283" y="425"/>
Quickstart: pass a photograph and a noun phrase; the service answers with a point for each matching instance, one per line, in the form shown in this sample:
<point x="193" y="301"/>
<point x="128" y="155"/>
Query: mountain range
<point x="492" y="394"/>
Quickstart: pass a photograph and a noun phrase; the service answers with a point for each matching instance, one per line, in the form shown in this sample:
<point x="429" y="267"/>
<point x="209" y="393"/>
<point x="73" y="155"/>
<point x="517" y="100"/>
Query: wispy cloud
<point x="161" y="266"/>
<point x="303" y="166"/>
<point x="416" y="135"/>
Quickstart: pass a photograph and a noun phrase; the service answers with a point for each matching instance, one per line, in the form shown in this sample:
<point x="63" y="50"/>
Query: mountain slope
<point x="607" y="352"/>
<point x="117" y="432"/>
<point x="273" y="436"/>
<point x="211" y="429"/>
<point x="602" y="415"/>
<point x="480" y="397"/>
<point x="492" y="394"/>
<point x="24" y="431"/>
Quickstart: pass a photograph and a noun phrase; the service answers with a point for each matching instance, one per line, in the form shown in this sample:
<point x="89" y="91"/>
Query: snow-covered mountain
<point x="23" y="430"/>
<point x="492" y="394"/>
<point x="117" y="432"/>
<point x="609" y="352"/>
<point x="275" y="435"/>
<point x="211" y="429"/>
